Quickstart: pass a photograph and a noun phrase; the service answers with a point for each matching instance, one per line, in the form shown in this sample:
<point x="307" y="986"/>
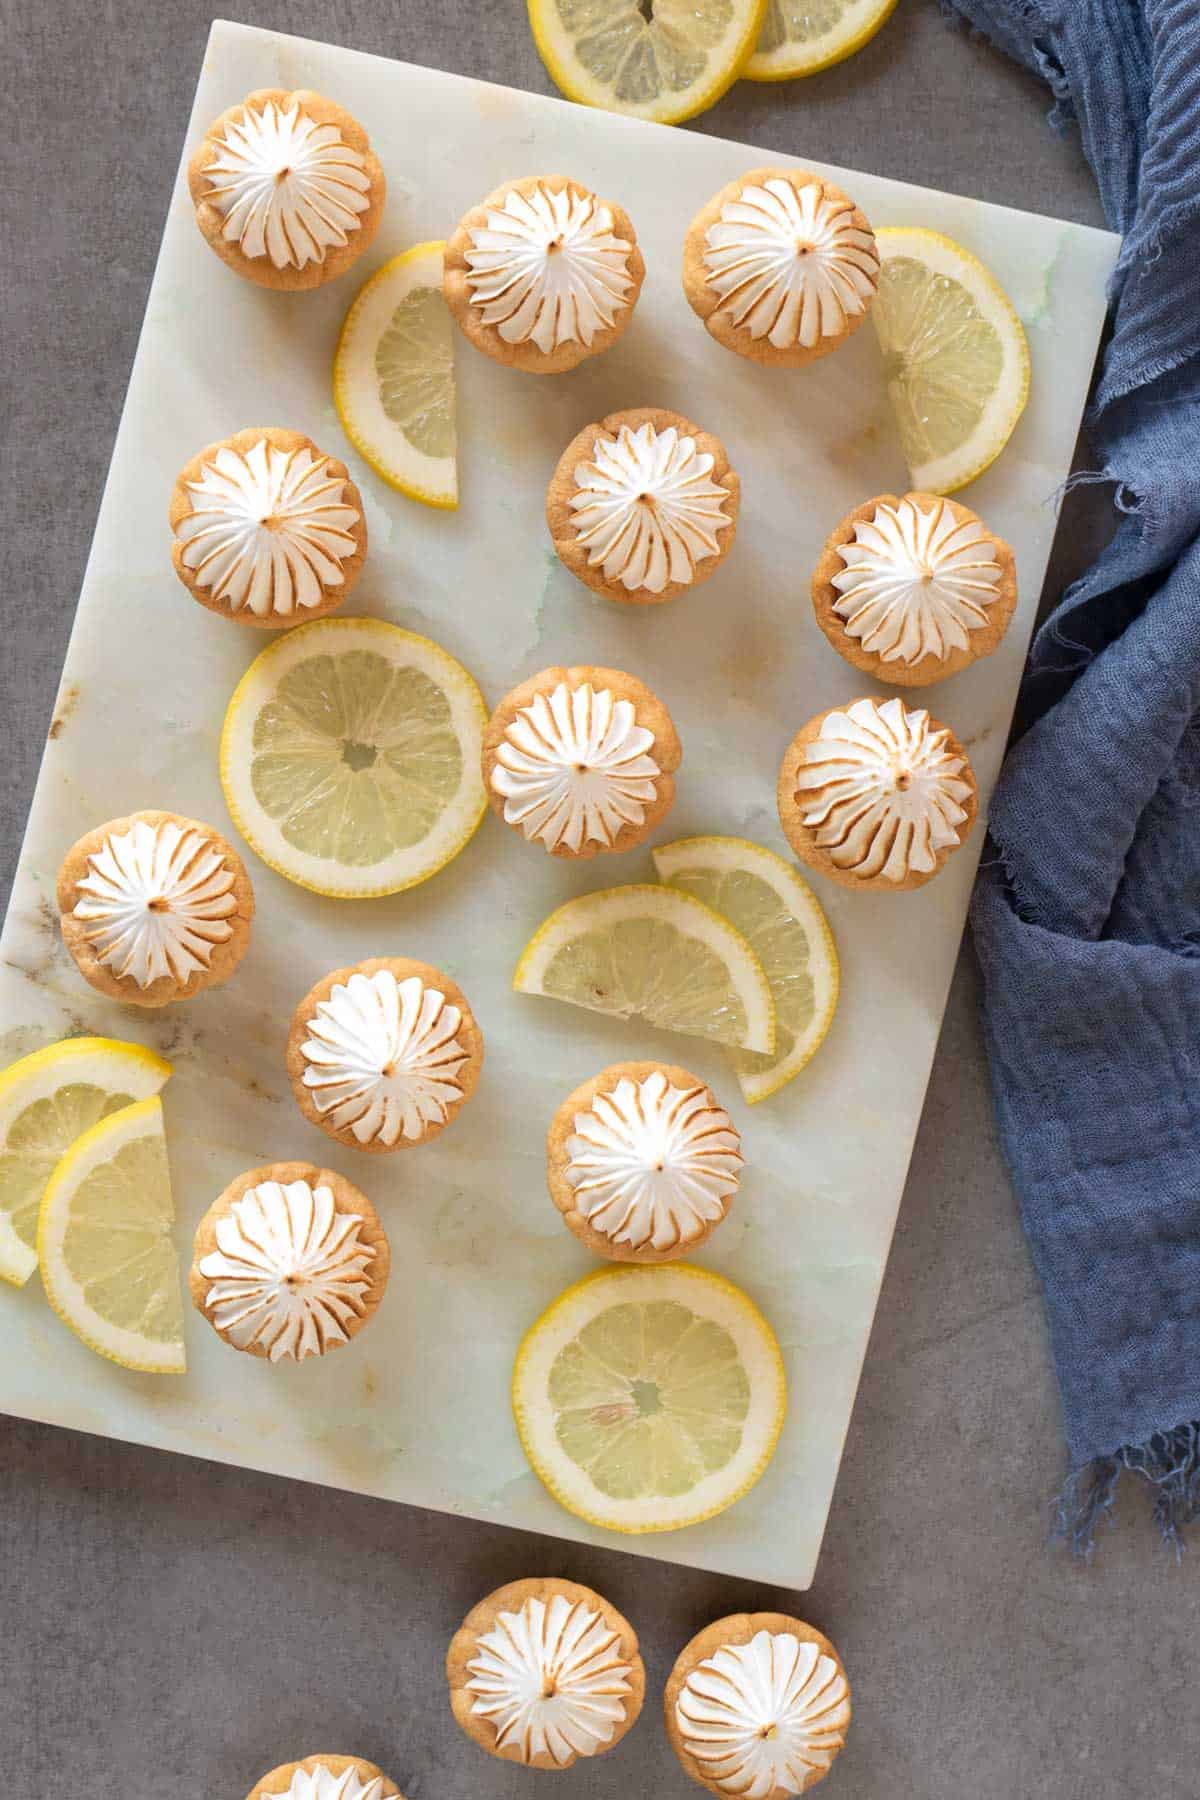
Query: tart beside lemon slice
<point x="955" y="356"/>
<point x="801" y="37"/>
<point x="393" y="377"/>
<point x="350" y="757"/>
<point x="47" y="1101"/>
<point x="651" y="953"/>
<point x="107" y="1257"/>
<point x="649" y="1399"/>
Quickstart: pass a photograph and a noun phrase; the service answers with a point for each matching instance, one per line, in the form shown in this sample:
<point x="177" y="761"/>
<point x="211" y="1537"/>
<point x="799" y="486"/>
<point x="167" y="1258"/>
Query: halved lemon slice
<point x="105" y="1248"/>
<point x="955" y="356"/>
<point x="350" y="757"/>
<point x="649" y="1399"/>
<point x="779" y="916"/>
<point x="47" y="1100"/>
<point x="393" y="377"/>
<point x="666" y="61"/>
<point x="651" y="953"/>
<point x="801" y="37"/>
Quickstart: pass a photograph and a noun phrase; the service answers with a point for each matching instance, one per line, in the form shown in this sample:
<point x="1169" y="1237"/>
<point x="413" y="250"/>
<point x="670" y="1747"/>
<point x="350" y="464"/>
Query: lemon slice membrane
<point x="653" y="954"/>
<point x="649" y="1399"/>
<point x="801" y="37"/>
<point x="47" y="1100"/>
<point x="779" y="916"/>
<point x="665" y="61"/>
<point x="105" y="1245"/>
<point x="393" y="377"/>
<point x="350" y="757"/>
<point x="956" y="360"/>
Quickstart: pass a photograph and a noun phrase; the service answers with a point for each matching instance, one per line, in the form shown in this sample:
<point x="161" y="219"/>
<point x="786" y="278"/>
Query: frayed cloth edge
<point x="1168" y="1467"/>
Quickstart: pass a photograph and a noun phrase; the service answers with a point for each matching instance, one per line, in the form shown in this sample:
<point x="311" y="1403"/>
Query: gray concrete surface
<point x="172" y="1628"/>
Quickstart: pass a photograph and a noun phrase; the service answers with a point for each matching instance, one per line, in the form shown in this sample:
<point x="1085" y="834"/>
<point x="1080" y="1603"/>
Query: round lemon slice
<point x="649" y="1399"/>
<point x="779" y="916"/>
<point x="955" y="356"/>
<point x="350" y="757"/>
<point x="104" y="1242"/>
<point x="393" y="377"/>
<point x="801" y="37"/>
<point x="666" y="61"/>
<point x="651" y="953"/>
<point x="47" y="1100"/>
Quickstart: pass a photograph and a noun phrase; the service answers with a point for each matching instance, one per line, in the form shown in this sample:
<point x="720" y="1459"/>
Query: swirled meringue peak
<point x="322" y="1784"/>
<point x="382" y="1057"/>
<point x="651" y="1164"/>
<point x="551" y="1680"/>
<point x="763" y="1718"/>
<point x="574" y="767"/>
<point x="790" y="264"/>
<point x="155" y="901"/>
<point x="882" y="791"/>
<point x="287" y="188"/>
<point x="269" y="529"/>
<point x="916" y="581"/>
<point x="647" y="509"/>
<point x="548" y="267"/>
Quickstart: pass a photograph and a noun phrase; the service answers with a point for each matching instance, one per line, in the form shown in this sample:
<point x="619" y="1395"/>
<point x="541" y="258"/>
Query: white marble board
<point x="417" y="1410"/>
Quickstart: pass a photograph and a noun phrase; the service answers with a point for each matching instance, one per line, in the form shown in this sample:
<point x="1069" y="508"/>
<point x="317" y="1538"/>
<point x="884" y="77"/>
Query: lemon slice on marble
<point x="779" y="916"/>
<point x="666" y="61"/>
<point x="47" y="1100"/>
<point x="649" y="1399"/>
<point x="105" y="1243"/>
<point x="654" y="954"/>
<point x="350" y="757"/>
<point x="801" y="37"/>
<point x="955" y="356"/>
<point x="393" y="377"/>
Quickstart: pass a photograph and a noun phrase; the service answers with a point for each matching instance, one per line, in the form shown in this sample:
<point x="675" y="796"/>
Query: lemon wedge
<point x="105" y="1248"/>
<point x="666" y="61"/>
<point x="350" y="757"/>
<point x="393" y="377"/>
<point x="777" y="913"/>
<point x="956" y="360"/>
<point x="649" y="1399"/>
<point x="801" y="37"/>
<point x="47" y="1100"/>
<point x="654" y="954"/>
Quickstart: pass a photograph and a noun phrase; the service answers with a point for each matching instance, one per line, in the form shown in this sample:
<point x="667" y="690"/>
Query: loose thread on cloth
<point x="1169" y="1465"/>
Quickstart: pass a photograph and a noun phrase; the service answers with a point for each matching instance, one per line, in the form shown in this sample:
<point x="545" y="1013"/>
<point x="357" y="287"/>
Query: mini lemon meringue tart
<point x="289" y="1262"/>
<point x="542" y="274"/>
<point x="643" y="505"/>
<point x="326" y="1777"/>
<point x="876" y="794"/>
<point x="581" y="760"/>
<point x="384" y="1055"/>
<point x="544" y="1672"/>
<point x="911" y="590"/>
<point x="643" y="1162"/>
<point x="154" y="907"/>
<point x="267" y="529"/>
<point x="758" y="1707"/>
<point x="781" y="266"/>
<point x="287" y="189"/>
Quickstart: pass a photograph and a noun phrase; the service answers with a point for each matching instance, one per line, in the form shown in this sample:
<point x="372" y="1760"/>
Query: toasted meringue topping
<point x="156" y="899"/>
<point x="574" y="767"/>
<point x="551" y="1680"/>
<point x="647" y="510"/>
<point x="764" y="1718"/>
<point x="881" y="791"/>
<point x="286" y="187"/>
<point x="653" y="1164"/>
<point x="268" y="530"/>
<point x="383" y="1057"/>
<point x="289" y="1271"/>
<point x="548" y="268"/>
<point x="916" y="583"/>
<point x="789" y="263"/>
<point x="322" y="1784"/>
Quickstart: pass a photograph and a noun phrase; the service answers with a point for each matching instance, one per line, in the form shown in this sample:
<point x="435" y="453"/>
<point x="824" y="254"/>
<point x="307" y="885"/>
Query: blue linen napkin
<point x="1087" y="912"/>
